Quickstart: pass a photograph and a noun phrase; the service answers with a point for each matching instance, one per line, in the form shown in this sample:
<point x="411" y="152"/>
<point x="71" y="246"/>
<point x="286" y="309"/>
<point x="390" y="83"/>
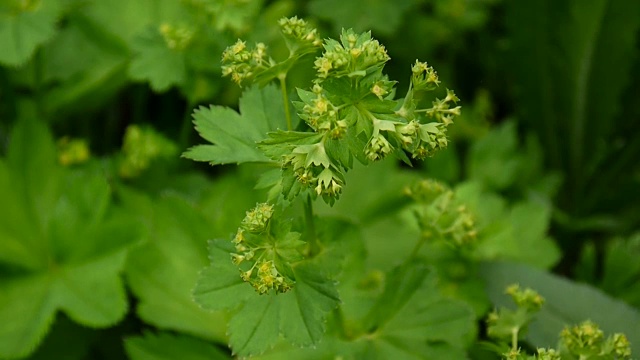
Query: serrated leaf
<point x="66" y="249"/>
<point x="219" y="286"/>
<point x="298" y="315"/>
<point x="303" y="312"/>
<point x="567" y="303"/>
<point x="234" y="135"/>
<point x="165" y="346"/>
<point x="23" y="30"/>
<point x="255" y="328"/>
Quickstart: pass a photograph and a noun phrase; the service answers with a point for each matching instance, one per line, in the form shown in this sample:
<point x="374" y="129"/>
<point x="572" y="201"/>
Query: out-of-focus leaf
<point x="61" y="247"/>
<point x="24" y="26"/>
<point x="162" y="272"/>
<point x="165" y="346"/>
<point x="378" y="15"/>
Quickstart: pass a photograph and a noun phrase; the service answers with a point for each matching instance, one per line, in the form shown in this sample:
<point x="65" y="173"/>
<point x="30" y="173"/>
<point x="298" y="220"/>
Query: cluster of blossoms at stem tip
<point x="321" y="115"/>
<point x="255" y="253"/>
<point x="354" y="54"/>
<point x="300" y="32"/>
<point x="440" y="216"/>
<point x="587" y="341"/>
<point x="526" y="298"/>
<point x="243" y="63"/>
<point x="176" y="37"/>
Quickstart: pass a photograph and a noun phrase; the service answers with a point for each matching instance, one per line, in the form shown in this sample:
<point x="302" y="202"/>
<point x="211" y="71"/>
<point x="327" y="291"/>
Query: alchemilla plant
<point x="281" y="279"/>
<point x="354" y="210"/>
<point x="292" y="281"/>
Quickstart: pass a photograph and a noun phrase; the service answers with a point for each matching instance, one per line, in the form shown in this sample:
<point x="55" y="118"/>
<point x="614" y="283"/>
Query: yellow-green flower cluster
<point x="141" y="146"/>
<point x="442" y="111"/>
<point x="548" y="354"/>
<point x="176" y="37"/>
<point x="422" y="140"/>
<point x="299" y="31"/>
<point x="525" y="298"/>
<point x="256" y="252"/>
<point x="423" y="77"/>
<point x="440" y="216"/>
<point x="587" y="341"/>
<point x="242" y="63"/>
<point x="353" y="55"/>
<point x="73" y="151"/>
<point x="322" y="115"/>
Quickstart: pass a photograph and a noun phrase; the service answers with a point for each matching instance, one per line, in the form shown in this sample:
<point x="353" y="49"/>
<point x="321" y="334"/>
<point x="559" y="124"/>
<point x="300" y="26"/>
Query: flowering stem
<point x="514" y="338"/>
<point x="285" y="97"/>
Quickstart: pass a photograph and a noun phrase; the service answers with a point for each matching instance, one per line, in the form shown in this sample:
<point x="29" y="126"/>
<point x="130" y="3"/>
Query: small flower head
<point x="256" y="219"/>
<point x="352" y="56"/>
<point x="526" y="298"/>
<point x="621" y="346"/>
<point x="242" y="63"/>
<point x="423" y="77"/>
<point x="548" y="354"/>
<point x="586" y="338"/>
<point x="300" y="31"/>
<point x="73" y="151"/>
<point x="377" y="148"/>
<point x="176" y="37"/>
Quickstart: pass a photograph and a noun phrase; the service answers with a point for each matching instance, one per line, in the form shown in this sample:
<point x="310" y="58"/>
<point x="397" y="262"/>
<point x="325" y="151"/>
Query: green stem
<point x="314" y="246"/>
<point x="514" y="339"/>
<point x="285" y="98"/>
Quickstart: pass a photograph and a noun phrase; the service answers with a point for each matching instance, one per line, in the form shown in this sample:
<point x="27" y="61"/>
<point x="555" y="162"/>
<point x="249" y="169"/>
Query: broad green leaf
<point x="234" y="135"/>
<point x="161" y="273"/>
<point x="63" y="248"/>
<point x="298" y="315"/>
<point x="166" y="346"/>
<point x="25" y="26"/>
<point x="518" y="232"/>
<point x="156" y="63"/>
<point x="379" y="15"/>
<point x="567" y="303"/>
<point x="219" y="286"/>
<point x="256" y="327"/>
<point x="493" y="159"/>
<point x="83" y="82"/>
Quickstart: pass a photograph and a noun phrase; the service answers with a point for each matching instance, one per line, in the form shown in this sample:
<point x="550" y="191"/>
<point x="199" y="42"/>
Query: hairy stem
<point x="285" y="98"/>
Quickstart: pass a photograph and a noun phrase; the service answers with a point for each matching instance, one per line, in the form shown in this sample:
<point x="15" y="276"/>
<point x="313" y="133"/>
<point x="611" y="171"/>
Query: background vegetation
<point x="103" y="227"/>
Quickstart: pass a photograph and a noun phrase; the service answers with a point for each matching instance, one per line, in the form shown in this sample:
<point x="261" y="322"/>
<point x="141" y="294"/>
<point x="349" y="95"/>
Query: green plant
<point x="355" y="220"/>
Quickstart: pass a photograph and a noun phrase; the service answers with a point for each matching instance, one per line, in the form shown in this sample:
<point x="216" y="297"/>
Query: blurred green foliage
<point x="104" y="228"/>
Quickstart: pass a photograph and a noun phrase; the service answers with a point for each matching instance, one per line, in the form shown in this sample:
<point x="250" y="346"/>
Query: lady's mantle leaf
<point x="164" y="346"/>
<point x="24" y="27"/>
<point x="234" y="135"/>
<point x="161" y="272"/>
<point x="161" y="66"/>
<point x="60" y="249"/>
<point x="298" y="315"/>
